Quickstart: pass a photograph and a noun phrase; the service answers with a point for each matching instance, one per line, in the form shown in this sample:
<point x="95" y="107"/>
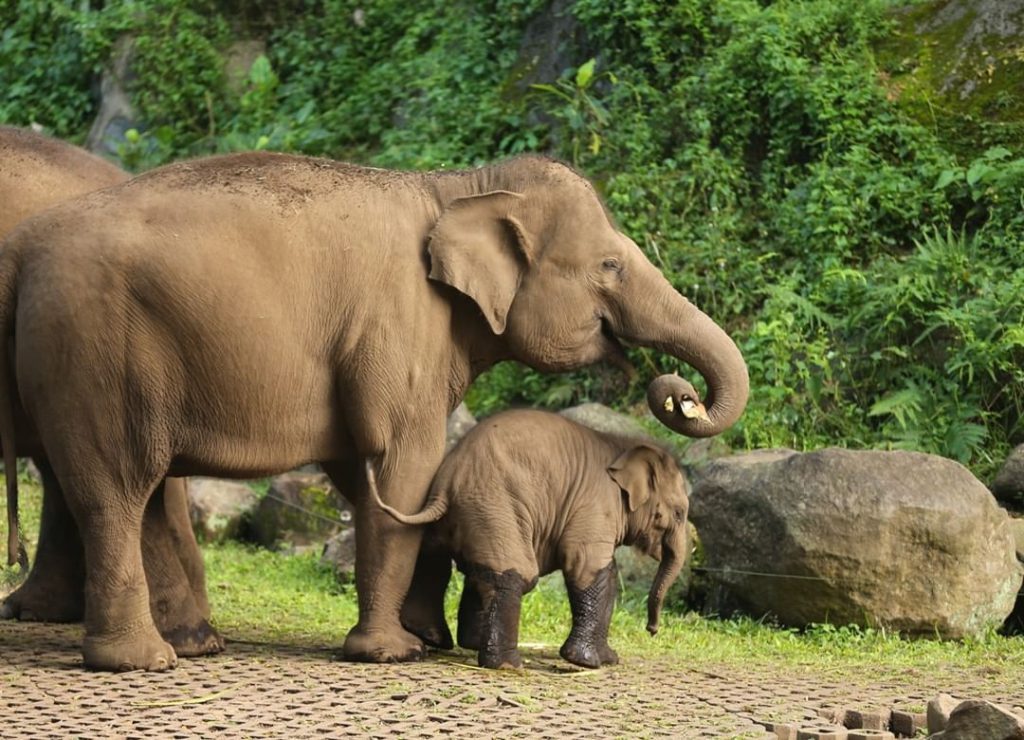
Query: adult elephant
<point x="37" y="172"/>
<point x="245" y="314"/>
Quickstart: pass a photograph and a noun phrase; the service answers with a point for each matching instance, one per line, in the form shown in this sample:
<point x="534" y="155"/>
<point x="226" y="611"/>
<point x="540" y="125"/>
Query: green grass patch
<point x="262" y="596"/>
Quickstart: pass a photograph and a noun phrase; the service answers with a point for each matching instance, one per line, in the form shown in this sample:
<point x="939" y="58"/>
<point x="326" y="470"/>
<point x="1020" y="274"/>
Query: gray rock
<point x="1008" y="485"/>
<point x="300" y="511"/>
<point x="938" y="712"/>
<point x="340" y="554"/>
<point x="603" y="419"/>
<point x="904" y="540"/>
<point x="116" y="114"/>
<point x="219" y="508"/>
<point x="982" y="720"/>
<point x="978" y="29"/>
<point x="1014" y="624"/>
<point x="32" y="471"/>
<point x="460" y="421"/>
<point x="238" y="60"/>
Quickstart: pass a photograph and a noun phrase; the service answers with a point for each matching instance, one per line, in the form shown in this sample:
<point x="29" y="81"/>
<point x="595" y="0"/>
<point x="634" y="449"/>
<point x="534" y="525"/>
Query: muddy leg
<point x="55" y="588"/>
<point x="501" y="596"/>
<point x="178" y="618"/>
<point x="592" y="608"/>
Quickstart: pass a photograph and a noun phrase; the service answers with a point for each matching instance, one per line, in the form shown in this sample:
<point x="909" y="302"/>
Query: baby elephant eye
<point x="612" y="264"/>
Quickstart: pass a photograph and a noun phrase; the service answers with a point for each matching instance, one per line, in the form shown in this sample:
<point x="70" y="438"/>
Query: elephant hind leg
<point x="177" y="615"/>
<point x="55" y="588"/>
<point x="471" y="616"/>
<point x="501" y="597"/>
<point x="423" y="610"/>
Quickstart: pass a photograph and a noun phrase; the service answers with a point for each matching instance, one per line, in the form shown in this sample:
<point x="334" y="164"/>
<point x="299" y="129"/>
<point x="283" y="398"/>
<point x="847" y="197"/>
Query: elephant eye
<point x="612" y="264"/>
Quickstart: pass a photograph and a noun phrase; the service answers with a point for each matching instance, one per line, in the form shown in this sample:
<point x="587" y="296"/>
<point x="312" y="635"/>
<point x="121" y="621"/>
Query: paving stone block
<point x="823" y="732"/>
<point x="867" y="719"/>
<point x="783" y="730"/>
<point x="905" y="723"/>
<point x="867" y="734"/>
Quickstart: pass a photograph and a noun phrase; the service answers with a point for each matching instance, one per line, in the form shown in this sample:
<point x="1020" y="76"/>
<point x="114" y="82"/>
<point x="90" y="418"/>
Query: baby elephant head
<point x="654" y="495"/>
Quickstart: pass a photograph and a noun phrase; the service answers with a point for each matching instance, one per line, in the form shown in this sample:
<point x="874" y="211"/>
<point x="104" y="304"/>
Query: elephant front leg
<point x="386" y="553"/>
<point x="592" y="608"/>
<point x="55" y="588"/>
<point x="179" y="522"/>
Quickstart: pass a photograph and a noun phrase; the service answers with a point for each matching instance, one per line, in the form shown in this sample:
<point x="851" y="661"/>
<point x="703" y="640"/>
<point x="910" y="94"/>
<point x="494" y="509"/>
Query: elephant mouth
<point x="613" y="352"/>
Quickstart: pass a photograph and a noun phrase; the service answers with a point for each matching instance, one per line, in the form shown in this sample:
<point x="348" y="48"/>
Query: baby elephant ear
<point x="479" y="248"/>
<point x="634" y="472"/>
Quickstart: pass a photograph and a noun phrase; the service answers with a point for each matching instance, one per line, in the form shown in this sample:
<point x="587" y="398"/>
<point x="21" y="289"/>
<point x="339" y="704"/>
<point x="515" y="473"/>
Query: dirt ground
<point x="258" y="690"/>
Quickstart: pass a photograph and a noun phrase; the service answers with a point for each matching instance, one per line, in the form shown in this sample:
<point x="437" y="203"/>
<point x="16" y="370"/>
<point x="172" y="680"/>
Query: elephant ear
<point x="479" y="248"/>
<point x="634" y="472"/>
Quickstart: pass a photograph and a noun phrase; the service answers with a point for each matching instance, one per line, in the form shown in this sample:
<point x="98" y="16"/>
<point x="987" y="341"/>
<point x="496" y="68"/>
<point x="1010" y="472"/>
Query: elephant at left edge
<point x="242" y="288"/>
<point x="36" y="172"/>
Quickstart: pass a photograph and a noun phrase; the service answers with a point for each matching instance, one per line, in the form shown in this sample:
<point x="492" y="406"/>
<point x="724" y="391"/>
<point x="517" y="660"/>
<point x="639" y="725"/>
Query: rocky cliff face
<point x="958" y="67"/>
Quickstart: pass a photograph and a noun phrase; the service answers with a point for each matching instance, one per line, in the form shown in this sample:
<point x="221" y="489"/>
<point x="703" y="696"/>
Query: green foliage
<point x="783" y="178"/>
<point x="43" y="77"/>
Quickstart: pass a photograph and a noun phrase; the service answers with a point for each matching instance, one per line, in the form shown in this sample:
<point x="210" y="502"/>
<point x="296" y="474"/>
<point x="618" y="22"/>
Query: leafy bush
<point x="756" y="151"/>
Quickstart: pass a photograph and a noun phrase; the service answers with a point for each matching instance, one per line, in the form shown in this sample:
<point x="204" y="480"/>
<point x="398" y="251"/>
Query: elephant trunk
<point x="673" y="557"/>
<point x="434" y="509"/>
<point x="663" y="319"/>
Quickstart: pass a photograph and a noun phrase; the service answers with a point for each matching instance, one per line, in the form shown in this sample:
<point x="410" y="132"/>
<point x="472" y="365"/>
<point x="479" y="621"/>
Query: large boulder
<point x="300" y="511"/>
<point x="904" y="540"/>
<point x="219" y="508"/>
<point x="603" y="419"/>
<point x="460" y="421"/>
<point x="1008" y="485"/>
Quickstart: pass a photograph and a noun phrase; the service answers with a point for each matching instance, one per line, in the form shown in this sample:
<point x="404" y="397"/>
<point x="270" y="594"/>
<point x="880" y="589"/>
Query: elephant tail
<point x="8" y="302"/>
<point x="434" y="509"/>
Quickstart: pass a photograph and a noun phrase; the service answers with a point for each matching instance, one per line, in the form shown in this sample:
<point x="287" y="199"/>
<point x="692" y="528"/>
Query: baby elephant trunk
<point x="673" y="556"/>
<point x="434" y="509"/>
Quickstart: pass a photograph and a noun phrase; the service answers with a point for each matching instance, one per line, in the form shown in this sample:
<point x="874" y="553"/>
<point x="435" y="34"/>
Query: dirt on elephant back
<point x="260" y="690"/>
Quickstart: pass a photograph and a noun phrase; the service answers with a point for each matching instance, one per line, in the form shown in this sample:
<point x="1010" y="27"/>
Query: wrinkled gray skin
<point x="37" y="172"/>
<point x="530" y="492"/>
<point x="273" y="310"/>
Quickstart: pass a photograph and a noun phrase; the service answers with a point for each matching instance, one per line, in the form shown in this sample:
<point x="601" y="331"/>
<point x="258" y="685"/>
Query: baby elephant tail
<point x="434" y="509"/>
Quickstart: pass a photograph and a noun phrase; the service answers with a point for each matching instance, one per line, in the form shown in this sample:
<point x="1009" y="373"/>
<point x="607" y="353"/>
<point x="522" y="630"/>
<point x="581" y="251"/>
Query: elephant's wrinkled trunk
<point x="657" y="316"/>
<point x="673" y="557"/>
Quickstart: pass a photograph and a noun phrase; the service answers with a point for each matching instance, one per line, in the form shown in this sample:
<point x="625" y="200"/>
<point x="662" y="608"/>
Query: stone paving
<point x="259" y="690"/>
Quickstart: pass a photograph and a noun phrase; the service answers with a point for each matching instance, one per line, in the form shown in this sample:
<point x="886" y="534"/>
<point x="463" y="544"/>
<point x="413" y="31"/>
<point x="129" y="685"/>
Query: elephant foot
<point x="506" y="659"/>
<point x="433" y="635"/>
<point x="588" y="655"/>
<point x="42" y="602"/>
<point x="144" y="650"/>
<point x="191" y="642"/>
<point x="395" y="645"/>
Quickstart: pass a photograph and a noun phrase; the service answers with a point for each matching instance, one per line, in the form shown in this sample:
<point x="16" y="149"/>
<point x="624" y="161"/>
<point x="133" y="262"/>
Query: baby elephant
<point x="526" y="493"/>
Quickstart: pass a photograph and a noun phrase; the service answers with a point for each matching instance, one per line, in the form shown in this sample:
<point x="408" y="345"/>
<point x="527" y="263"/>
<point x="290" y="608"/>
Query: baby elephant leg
<point x="471" y="616"/>
<point x="592" y="607"/>
<point x="423" y="610"/>
<point x="501" y="596"/>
